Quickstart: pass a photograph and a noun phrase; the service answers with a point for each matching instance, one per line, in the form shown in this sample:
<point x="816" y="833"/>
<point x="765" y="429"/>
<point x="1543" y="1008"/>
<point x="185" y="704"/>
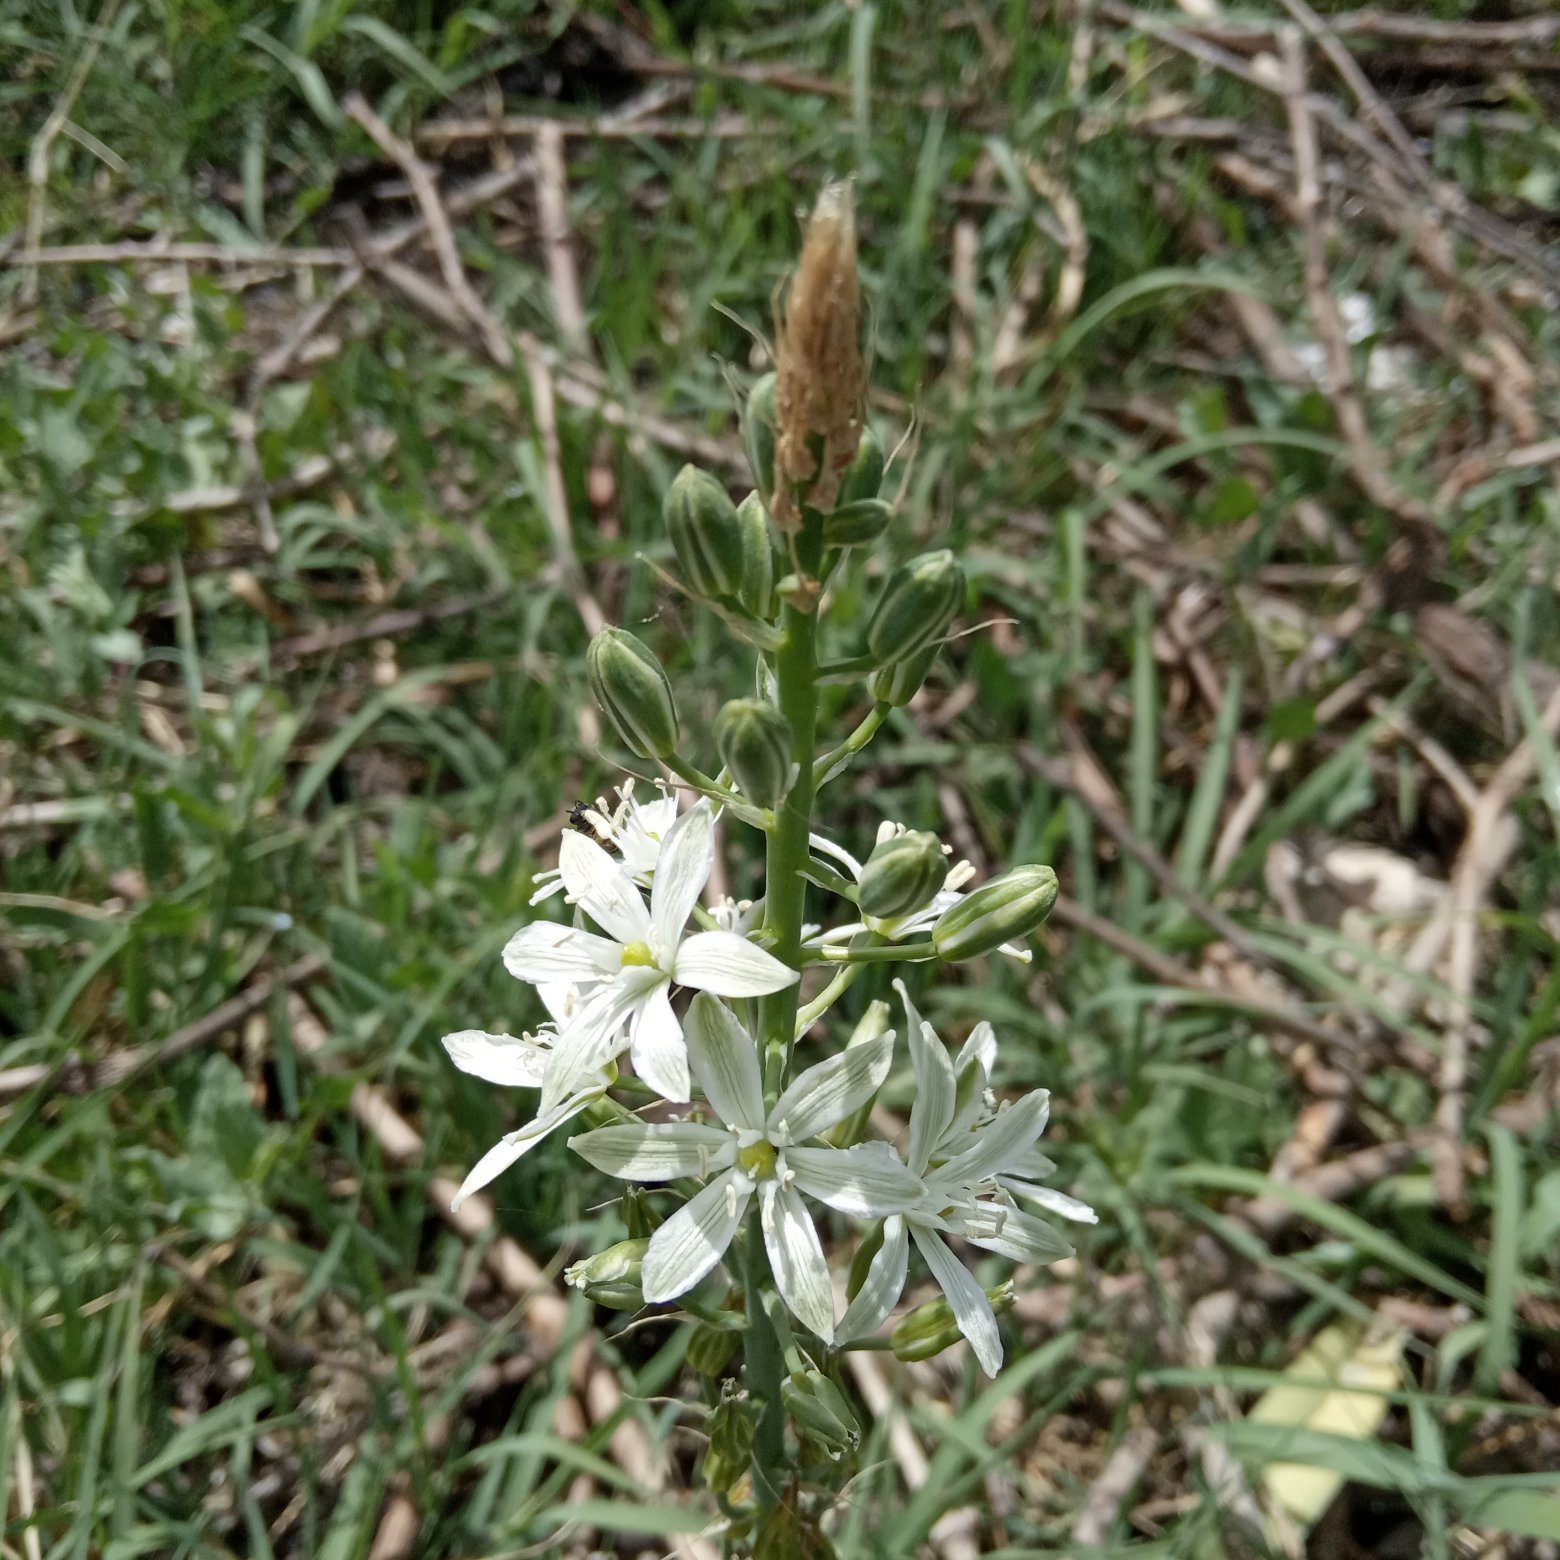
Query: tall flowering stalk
<point x="749" y="1132"/>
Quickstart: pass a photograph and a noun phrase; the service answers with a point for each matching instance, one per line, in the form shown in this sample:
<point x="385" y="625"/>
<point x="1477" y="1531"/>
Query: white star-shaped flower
<point x="631" y="969"/>
<point x="964" y="1155"/>
<point x="762" y="1152"/>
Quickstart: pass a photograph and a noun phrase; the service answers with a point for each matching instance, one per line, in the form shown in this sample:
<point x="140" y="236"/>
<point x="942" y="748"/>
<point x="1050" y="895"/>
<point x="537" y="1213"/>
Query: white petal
<point x="882" y="1287"/>
<point x="1002" y="1141"/>
<point x="681" y="871"/>
<point x="826" y="1094"/>
<point x="980" y="1047"/>
<point x="695" y="1238"/>
<point x="655" y="1043"/>
<point x="596" y="1034"/>
<point x="503" y="1059"/>
<point x="1024" y="1238"/>
<point x="796" y="1258"/>
<point x="606" y="892"/>
<point x="545" y="953"/>
<point x="564" y="999"/>
<point x="840" y="854"/>
<point x="1059" y="1203"/>
<point x="725" y="1061"/>
<point x="655" y="1150"/>
<point x="936" y="1088"/>
<point x="971" y="1309"/>
<point x="730" y="966"/>
<point x="508" y="1149"/>
<point x="868" y="1181"/>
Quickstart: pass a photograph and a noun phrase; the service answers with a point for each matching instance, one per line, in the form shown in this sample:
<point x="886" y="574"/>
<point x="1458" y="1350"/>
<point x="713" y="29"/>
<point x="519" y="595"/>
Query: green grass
<point x="218" y="1294"/>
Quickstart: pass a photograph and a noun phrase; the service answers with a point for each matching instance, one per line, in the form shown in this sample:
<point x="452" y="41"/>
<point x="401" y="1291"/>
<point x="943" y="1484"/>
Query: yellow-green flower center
<point x="758" y="1160"/>
<point x="637" y="953"/>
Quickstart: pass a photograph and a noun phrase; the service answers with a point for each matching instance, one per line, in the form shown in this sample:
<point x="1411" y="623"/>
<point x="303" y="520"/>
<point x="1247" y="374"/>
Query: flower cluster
<point x="962" y="1165"/>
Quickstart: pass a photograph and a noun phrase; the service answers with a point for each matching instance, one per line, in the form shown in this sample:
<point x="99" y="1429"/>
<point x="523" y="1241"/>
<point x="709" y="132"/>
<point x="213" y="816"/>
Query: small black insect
<point x="579" y="819"/>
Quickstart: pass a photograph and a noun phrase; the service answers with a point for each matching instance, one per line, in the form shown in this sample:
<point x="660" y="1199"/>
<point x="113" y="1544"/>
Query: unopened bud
<point x="705" y="532"/>
<point x="631" y="688"/>
<point x="916" y="607"/>
<point x="754" y="740"/>
<point x="821" y="1412"/>
<point x="611" y="1277"/>
<point x="710" y="1349"/>
<point x="758" y="435"/>
<point x="1008" y="907"/>
<point x="731" y="1442"/>
<point x="757" y="590"/>
<point x="901" y="875"/>
<point x="791" y="1534"/>
<point x="900" y="681"/>
<point x="929" y="1329"/>
<point x="864" y="476"/>
<point x="857" y="524"/>
<point x="639" y="1216"/>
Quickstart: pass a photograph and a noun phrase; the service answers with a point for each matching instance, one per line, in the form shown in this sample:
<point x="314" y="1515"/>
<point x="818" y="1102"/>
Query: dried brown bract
<point x="819" y="382"/>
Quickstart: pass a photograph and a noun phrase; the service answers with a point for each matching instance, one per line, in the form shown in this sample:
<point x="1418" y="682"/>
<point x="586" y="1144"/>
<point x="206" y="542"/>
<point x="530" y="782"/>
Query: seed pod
<point x="731" y="1442"/>
<point x="757" y="590"/>
<point x="631" y="688"/>
<point x="611" y="1277"/>
<point x="856" y="524"/>
<point x="754" y="740"/>
<point x="901" y="875"/>
<point x="900" y="681"/>
<point x="706" y="534"/>
<point x="916" y="607"/>
<point x="929" y="1329"/>
<point x="710" y="1349"/>
<point x="864" y="476"/>
<point x="1010" y="906"/>
<point x="821" y="1412"/>
<point x="758" y="434"/>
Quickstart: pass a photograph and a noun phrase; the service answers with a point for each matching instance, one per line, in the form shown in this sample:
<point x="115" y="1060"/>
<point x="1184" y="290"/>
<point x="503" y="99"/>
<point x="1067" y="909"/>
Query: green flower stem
<point x="759" y="817"/>
<point x="836" y="759"/>
<point x="785" y="890"/>
<point x="827" y="877"/>
<point x="909" y="953"/>
<point x="848" y="667"/>
<point x="808" y="1016"/>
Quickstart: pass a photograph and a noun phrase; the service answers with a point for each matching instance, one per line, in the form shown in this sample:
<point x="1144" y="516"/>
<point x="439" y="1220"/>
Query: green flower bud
<point x="757" y="590"/>
<point x="706" y="534"/>
<point x="900" y="681"/>
<point x="861" y="1263"/>
<point x="731" y="1442"/>
<point x="758" y="433"/>
<point x="611" y="1277"/>
<point x="639" y="1215"/>
<point x="754" y="740"/>
<point x="631" y="688"/>
<point x="929" y="1329"/>
<point x="864" y="476"/>
<point x="855" y="525"/>
<point x="901" y="875"/>
<point x="916" y="607"/>
<point x="1010" y="906"/>
<point x="710" y="1349"/>
<point x="821" y="1412"/>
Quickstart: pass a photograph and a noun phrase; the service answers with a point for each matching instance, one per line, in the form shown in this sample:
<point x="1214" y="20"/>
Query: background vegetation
<point x="1225" y="348"/>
